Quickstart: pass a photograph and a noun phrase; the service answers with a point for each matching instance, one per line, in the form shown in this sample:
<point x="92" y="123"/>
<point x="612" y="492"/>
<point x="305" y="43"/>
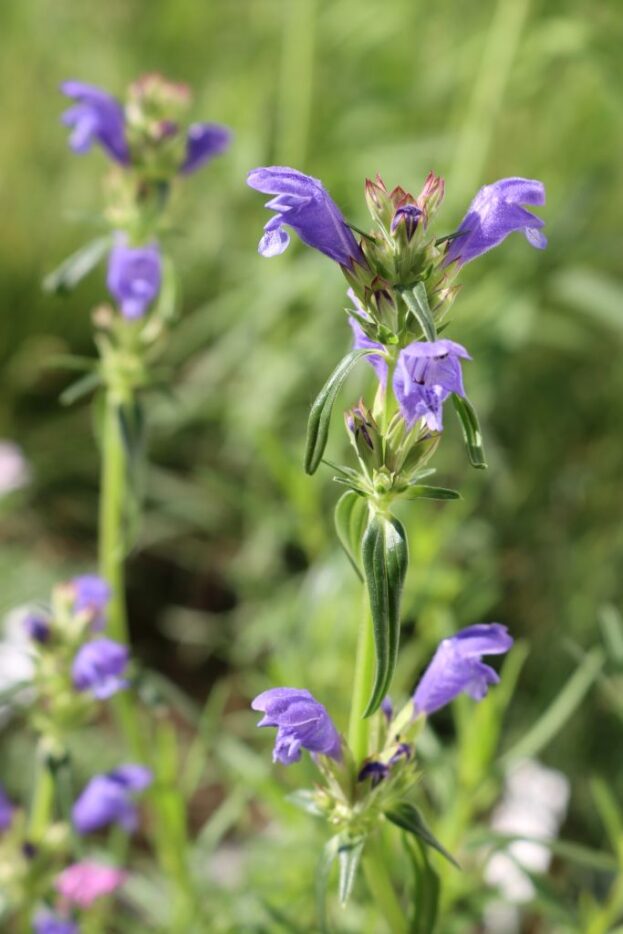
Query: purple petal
<point x="496" y="212"/>
<point x="203" y="143"/>
<point x="134" y="277"/>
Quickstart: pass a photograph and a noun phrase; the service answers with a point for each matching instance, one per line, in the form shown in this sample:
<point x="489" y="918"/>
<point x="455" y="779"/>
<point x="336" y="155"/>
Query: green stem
<point x="113" y="490"/>
<point x="382" y="890"/>
<point x="112" y="554"/>
<point x="359" y="728"/>
<point x="42" y="806"/>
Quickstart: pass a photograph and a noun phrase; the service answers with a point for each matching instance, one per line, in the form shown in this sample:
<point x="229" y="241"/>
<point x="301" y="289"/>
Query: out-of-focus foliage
<point x="238" y="581"/>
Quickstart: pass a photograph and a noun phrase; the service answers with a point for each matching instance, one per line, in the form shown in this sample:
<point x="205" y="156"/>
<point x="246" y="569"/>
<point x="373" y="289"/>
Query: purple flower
<point x="302" y="723"/>
<point x="96" y="117"/>
<point x="47" y="923"/>
<point x="37" y="627"/>
<point x="134" y="277"/>
<point x="6" y="810"/>
<point x="304" y="204"/>
<point x="99" y="666"/>
<point x="387" y="707"/>
<point x="92" y="594"/>
<point x="203" y="142"/>
<point x="426" y="374"/>
<point x="107" y="799"/>
<point x="457" y="666"/>
<point x="496" y="212"/>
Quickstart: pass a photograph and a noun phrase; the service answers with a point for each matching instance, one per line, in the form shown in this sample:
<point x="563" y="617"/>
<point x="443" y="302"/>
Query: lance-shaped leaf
<point x="423" y="491"/>
<point x="81" y="387"/>
<point x="416" y="301"/>
<point x="426" y="887"/>
<point x="471" y="431"/>
<point x="407" y="816"/>
<point x="77" y="266"/>
<point x="320" y="413"/>
<point x="349" y="856"/>
<point x="351" y="516"/>
<point x="385" y="557"/>
<point x="329" y="854"/>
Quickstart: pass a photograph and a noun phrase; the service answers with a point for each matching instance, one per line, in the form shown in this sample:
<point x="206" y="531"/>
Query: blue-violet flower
<point x="203" y="142"/>
<point x="302" y="723"/>
<point x="426" y="373"/>
<point x="457" y="666"/>
<point x="496" y="212"/>
<point x="99" y="667"/>
<point x="134" y="277"/>
<point x="6" y="810"/>
<point x="91" y="595"/>
<point x="96" y="117"/>
<point x="107" y="799"/>
<point x="303" y="203"/>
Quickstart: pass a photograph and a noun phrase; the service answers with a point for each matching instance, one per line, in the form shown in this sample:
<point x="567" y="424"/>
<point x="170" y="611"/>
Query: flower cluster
<point x="402" y="284"/>
<point x="150" y="142"/>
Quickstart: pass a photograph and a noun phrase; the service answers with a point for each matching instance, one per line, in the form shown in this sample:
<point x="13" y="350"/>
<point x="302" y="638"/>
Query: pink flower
<point x="83" y="883"/>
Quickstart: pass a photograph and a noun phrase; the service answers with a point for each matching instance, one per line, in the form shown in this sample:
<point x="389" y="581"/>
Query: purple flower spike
<point x="47" y="923"/>
<point x="496" y="212"/>
<point x="204" y="142"/>
<point x="99" y="667"/>
<point x="302" y="723"/>
<point x="107" y="799"/>
<point x="96" y="117"/>
<point x="457" y="666"/>
<point x="92" y="595"/>
<point x="426" y="374"/>
<point x="303" y="203"/>
<point x="134" y="277"/>
<point x="6" y="810"/>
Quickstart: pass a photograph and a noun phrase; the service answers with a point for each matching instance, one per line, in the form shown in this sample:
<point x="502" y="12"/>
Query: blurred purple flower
<point x="496" y="212"/>
<point x="96" y="117"/>
<point x="303" y="203"/>
<point x="6" y="810"/>
<point x="426" y="374"/>
<point x="92" y="594"/>
<point x="302" y="723"/>
<point x="47" y="923"/>
<point x="107" y="799"/>
<point x="203" y="142"/>
<point x="99" y="667"/>
<point x="134" y="277"/>
<point x="457" y="666"/>
<point x="83" y="883"/>
<point x="37" y="627"/>
<point x="388" y="708"/>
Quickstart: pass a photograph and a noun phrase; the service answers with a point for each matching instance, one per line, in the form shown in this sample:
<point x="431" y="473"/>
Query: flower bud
<point x="431" y="195"/>
<point x="364" y="434"/>
<point x="379" y="201"/>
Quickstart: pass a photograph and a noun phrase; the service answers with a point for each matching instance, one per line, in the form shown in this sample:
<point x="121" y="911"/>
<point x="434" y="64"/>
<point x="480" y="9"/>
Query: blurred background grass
<point x="237" y="580"/>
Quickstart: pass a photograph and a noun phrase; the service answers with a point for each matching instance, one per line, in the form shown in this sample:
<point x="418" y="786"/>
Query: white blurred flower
<point x="15" y="470"/>
<point x="534" y="804"/>
<point x="16" y="658"/>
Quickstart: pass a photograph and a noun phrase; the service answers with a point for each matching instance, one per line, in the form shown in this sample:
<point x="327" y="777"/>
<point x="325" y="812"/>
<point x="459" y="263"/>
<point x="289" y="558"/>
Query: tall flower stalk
<point x="402" y="282"/>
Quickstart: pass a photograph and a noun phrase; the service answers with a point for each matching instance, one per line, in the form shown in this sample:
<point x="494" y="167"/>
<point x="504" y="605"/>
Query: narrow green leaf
<point x="385" y="558"/>
<point x="66" y="276"/>
<point x="571" y="852"/>
<point x="349" y="857"/>
<point x="407" y="816"/>
<point x="426" y="885"/>
<point x="471" y="431"/>
<point x="320" y="413"/>
<point x="80" y="387"/>
<point x="421" y="491"/>
<point x="305" y="799"/>
<point x="329" y="855"/>
<point x="351" y="515"/>
<point x="416" y="301"/>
